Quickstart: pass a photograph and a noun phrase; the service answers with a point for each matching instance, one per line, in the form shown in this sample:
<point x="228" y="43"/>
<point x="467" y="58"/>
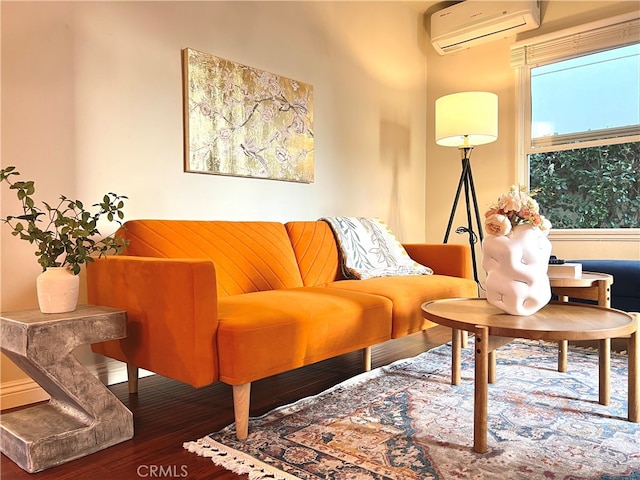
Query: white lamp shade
<point x="467" y="119"/>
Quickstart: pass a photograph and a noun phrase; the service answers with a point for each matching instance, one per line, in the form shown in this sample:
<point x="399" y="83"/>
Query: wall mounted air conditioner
<point x="474" y="22"/>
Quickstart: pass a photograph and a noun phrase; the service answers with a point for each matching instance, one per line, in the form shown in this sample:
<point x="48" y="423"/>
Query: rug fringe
<point x="236" y="461"/>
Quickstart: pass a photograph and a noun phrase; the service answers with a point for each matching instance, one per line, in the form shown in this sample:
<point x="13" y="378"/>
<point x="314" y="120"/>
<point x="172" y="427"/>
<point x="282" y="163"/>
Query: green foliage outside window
<point x="594" y="187"/>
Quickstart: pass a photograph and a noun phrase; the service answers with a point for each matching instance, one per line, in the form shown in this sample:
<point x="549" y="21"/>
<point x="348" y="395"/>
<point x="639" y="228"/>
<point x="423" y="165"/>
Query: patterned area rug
<point x="406" y="421"/>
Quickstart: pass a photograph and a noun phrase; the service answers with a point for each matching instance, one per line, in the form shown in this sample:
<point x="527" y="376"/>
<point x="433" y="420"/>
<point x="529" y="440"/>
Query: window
<point x="581" y="126"/>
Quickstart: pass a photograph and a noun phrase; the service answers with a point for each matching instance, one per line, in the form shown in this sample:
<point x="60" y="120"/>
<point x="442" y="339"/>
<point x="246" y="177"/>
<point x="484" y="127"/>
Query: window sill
<point x="596" y="234"/>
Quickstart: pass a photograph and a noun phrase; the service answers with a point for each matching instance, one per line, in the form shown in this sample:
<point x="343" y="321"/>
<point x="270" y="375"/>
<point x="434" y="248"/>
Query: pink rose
<point x="536" y="221"/>
<point x="492" y="211"/>
<point x="524" y="212"/>
<point x="510" y="202"/>
<point x="497" y="224"/>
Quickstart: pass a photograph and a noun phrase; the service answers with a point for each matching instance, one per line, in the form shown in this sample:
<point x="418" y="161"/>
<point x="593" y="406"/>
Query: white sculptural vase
<point x="516" y="265"/>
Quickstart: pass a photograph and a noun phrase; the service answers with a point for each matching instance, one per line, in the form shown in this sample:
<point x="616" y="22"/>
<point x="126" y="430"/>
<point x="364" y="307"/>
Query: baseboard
<point x="25" y="391"/>
<point x="21" y="392"/>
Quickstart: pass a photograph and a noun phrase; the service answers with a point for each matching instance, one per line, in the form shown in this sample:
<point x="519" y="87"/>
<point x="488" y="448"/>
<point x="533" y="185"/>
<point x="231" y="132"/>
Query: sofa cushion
<point x="248" y="256"/>
<point x="265" y="333"/>
<point x="408" y="294"/>
<point x="316" y="251"/>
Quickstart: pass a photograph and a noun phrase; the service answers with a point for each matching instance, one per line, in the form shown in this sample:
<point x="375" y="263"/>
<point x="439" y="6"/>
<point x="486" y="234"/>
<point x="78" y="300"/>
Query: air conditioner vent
<point x="475" y="22"/>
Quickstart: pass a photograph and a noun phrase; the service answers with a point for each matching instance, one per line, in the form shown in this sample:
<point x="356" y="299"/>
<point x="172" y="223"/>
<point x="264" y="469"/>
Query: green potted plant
<point x="66" y="235"/>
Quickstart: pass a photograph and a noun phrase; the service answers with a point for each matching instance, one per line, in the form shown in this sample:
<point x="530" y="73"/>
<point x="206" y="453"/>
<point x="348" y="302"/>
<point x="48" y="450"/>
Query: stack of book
<point x="565" y="270"/>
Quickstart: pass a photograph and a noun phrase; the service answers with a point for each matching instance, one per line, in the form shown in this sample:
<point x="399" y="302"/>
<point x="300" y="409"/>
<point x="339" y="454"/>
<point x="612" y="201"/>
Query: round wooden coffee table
<point x="556" y="321"/>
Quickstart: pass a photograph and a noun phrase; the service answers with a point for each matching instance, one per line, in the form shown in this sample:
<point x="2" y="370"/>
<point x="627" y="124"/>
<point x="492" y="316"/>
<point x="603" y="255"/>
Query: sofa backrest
<point x="248" y="256"/>
<point x="316" y="252"/>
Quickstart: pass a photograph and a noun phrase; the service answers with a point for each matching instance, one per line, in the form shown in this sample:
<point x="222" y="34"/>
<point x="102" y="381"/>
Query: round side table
<point x="589" y="286"/>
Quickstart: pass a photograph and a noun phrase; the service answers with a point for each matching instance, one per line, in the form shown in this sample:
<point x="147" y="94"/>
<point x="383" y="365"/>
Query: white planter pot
<point x="516" y="265"/>
<point x="57" y="289"/>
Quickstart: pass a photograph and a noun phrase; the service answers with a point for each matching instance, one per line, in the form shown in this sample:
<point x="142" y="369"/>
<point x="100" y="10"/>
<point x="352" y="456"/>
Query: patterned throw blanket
<point x="369" y="249"/>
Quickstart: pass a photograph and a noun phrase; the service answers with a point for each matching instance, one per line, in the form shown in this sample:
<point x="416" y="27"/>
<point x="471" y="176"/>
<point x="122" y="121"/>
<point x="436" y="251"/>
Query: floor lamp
<point x="464" y="120"/>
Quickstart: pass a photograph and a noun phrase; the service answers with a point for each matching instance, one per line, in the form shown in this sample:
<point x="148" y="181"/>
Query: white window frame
<point x="553" y="47"/>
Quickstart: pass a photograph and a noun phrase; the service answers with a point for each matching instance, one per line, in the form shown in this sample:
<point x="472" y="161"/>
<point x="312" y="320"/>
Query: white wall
<point x="92" y="102"/>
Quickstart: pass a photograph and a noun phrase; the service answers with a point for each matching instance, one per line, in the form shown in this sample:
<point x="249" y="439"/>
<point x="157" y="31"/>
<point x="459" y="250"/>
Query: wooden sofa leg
<point x="132" y="378"/>
<point x="366" y="353"/>
<point x="241" y="398"/>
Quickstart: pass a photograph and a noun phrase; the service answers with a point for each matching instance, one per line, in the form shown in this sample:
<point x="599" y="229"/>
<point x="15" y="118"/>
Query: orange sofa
<point x="239" y="301"/>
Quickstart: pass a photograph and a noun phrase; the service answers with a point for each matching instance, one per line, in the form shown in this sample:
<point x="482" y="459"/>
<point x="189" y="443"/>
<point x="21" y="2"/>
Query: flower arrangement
<point x="516" y="207"/>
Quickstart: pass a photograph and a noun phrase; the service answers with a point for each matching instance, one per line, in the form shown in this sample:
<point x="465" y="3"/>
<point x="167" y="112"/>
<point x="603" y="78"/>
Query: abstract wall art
<point x="242" y="121"/>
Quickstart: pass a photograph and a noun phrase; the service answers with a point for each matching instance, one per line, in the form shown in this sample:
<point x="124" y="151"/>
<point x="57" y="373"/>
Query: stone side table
<point x="83" y="416"/>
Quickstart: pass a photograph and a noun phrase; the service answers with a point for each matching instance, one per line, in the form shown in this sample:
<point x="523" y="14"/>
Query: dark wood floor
<point x="168" y="413"/>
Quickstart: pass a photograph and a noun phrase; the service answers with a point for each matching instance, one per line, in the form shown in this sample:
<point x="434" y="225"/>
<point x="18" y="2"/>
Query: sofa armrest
<point x="444" y="258"/>
<point x="172" y="315"/>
